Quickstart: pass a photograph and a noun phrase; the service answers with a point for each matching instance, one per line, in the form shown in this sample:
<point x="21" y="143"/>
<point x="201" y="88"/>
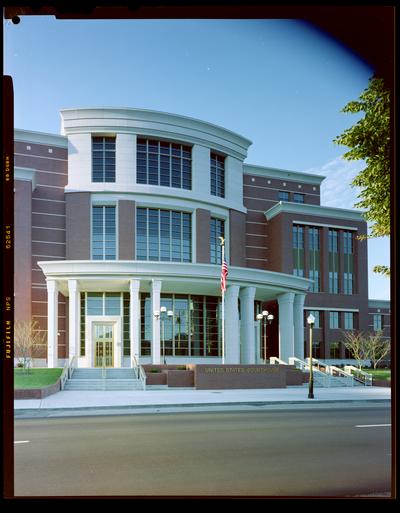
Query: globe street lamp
<point x="163" y="311"/>
<point x="265" y="316"/>
<point x="170" y="315"/>
<point x="311" y="321"/>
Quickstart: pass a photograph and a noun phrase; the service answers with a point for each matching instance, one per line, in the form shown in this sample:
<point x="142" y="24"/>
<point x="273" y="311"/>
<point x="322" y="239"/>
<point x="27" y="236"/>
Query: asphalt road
<point x="262" y="453"/>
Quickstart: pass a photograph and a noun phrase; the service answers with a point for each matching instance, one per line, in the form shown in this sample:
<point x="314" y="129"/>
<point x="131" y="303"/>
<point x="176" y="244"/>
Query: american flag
<point x="224" y="274"/>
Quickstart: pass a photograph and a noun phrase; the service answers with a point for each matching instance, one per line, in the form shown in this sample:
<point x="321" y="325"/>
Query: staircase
<point x="107" y="379"/>
<point x="328" y="375"/>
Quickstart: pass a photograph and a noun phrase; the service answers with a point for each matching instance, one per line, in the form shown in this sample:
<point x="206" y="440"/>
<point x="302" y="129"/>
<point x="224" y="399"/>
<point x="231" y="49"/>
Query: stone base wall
<point x="37" y="393"/>
<point x="215" y="376"/>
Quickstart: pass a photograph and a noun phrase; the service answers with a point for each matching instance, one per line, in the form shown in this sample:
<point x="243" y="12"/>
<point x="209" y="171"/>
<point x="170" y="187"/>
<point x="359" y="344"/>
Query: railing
<point x="359" y="375"/>
<point x="274" y="359"/>
<point x="332" y="370"/>
<point x="320" y="376"/>
<point x="140" y="373"/>
<point x="64" y="375"/>
<point x="103" y="367"/>
<point x="72" y="366"/>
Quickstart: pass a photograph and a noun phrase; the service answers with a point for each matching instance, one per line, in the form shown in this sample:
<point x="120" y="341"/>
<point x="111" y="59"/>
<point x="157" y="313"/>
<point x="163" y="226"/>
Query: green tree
<point x="369" y="140"/>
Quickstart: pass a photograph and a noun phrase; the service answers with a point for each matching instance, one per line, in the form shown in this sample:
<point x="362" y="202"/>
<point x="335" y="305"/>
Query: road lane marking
<point x="372" y="425"/>
<point x="22" y="441"/>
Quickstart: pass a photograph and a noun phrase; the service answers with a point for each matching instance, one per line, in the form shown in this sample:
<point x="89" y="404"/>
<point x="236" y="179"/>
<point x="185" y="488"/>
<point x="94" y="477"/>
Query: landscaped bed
<point x="380" y="377"/>
<point x="35" y="378"/>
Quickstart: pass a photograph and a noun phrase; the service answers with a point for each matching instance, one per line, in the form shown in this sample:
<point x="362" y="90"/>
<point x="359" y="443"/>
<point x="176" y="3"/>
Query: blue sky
<point x="279" y="83"/>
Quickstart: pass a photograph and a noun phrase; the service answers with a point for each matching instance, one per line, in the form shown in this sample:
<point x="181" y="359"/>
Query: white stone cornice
<point x="26" y="174"/>
<point x="29" y="136"/>
<point x="176" y="272"/>
<point x="154" y="124"/>
<point x="282" y="174"/>
<point x="313" y="210"/>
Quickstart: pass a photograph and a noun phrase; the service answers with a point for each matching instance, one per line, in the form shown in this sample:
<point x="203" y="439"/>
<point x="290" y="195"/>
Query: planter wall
<point x="37" y="393"/>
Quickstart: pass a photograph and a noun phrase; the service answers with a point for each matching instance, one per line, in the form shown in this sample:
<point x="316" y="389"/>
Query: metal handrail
<point x="103" y="367"/>
<point x="363" y="377"/>
<point x="332" y="370"/>
<point x="274" y="359"/>
<point x="72" y="366"/>
<point x="64" y="375"/>
<point x="140" y="373"/>
<point x="305" y="365"/>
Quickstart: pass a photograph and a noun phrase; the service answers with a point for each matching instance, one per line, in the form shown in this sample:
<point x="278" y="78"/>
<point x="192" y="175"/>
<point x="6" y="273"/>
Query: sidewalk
<point x="133" y="401"/>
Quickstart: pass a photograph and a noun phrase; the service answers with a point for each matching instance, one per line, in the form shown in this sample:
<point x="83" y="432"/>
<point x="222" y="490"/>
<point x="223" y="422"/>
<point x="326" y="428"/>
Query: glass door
<point x="103" y="344"/>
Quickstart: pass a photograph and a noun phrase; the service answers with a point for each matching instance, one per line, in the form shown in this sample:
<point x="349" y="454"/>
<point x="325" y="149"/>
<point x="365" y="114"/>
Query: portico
<point x="125" y="294"/>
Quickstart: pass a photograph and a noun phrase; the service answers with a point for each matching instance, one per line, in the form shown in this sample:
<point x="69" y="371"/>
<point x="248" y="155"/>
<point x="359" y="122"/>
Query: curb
<point x="110" y="410"/>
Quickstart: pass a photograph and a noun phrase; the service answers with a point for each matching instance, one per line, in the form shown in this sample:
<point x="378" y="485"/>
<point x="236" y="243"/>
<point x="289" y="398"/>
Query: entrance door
<point x="103" y="345"/>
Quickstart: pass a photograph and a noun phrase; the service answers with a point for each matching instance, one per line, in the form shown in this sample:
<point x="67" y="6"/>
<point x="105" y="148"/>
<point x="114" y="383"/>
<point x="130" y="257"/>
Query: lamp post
<point x="158" y="314"/>
<point x="265" y="316"/>
<point x="161" y="315"/>
<point x="163" y="311"/>
<point x="311" y="321"/>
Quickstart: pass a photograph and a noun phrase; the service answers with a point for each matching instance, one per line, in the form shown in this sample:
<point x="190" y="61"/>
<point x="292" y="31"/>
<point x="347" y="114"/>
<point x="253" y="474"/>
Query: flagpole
<point x="223" y="307"/>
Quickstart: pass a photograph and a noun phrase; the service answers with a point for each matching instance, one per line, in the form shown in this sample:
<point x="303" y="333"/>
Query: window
<point x="103" y="159"/>
<point x="298" y="237"/>
<point x="347" y="283"/>
<point x="377" y="322"/>
<point x="82" y="327"/>
<point x="348" y="320"/>
<point x="298" y="198"/>
<point x="316" y="350"/>
<point x="103" y="303"/>
<point x="195" y="329"/>
<point x="316" y="314"/>
<point x="333" y="241"/>
<point x="314" y="258"/>
<point x="103" y="233"/>
<point x="217" y="229"/>
<point x="126" y="324"/>
<point x="313" y="274"/>
<point x="333" y="261"/>
<point x="298" y="250"/>
<point x="333" y="320"/>
<point x="333" y="282"/>
<point x="348" y="263"/>
<point x="163" y="235"/>
<point x="347" y="243"/>
<point x="217" y="167"/>
<point x="313" y="239"/>
<point x="164" y="163"/>
<point x="283" y="196"/>
<point x="335" y="350"/>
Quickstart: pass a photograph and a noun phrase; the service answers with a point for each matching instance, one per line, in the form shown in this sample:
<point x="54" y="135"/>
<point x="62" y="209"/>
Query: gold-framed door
<point x="103" y="344"/>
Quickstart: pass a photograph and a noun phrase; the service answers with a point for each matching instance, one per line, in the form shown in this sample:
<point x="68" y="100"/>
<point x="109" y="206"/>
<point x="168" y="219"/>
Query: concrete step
<point x="108" y="374"/>
<point x="103" y="384"/>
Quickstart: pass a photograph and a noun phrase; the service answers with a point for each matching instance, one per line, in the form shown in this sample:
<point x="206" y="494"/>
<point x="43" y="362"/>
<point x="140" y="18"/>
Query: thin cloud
<point x="336" y="189"/>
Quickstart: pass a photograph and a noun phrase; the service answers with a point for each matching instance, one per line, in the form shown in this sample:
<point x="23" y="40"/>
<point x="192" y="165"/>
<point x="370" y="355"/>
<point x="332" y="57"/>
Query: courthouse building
<point x="121" y="215"/>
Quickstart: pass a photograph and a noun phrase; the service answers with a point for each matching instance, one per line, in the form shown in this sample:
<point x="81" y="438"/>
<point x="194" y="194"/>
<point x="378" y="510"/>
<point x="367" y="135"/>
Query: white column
<point x="286" y="331"/>
<point x="200" y="161"/>
<point x="248" y="348"/>
<point x="73" y="318"/>
<point x="155" y="305"/>
<point x="125" y="159"/>
<point x="232" y="338"/>
<point x="134" y="318"/>
<point x="298" y="323"/>
<point x="52" y="324"/>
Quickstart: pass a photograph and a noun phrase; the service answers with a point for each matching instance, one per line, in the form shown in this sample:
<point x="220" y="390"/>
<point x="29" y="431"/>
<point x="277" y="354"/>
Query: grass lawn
<point x="37" y="378"/>
<point x="383" y="374"/>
